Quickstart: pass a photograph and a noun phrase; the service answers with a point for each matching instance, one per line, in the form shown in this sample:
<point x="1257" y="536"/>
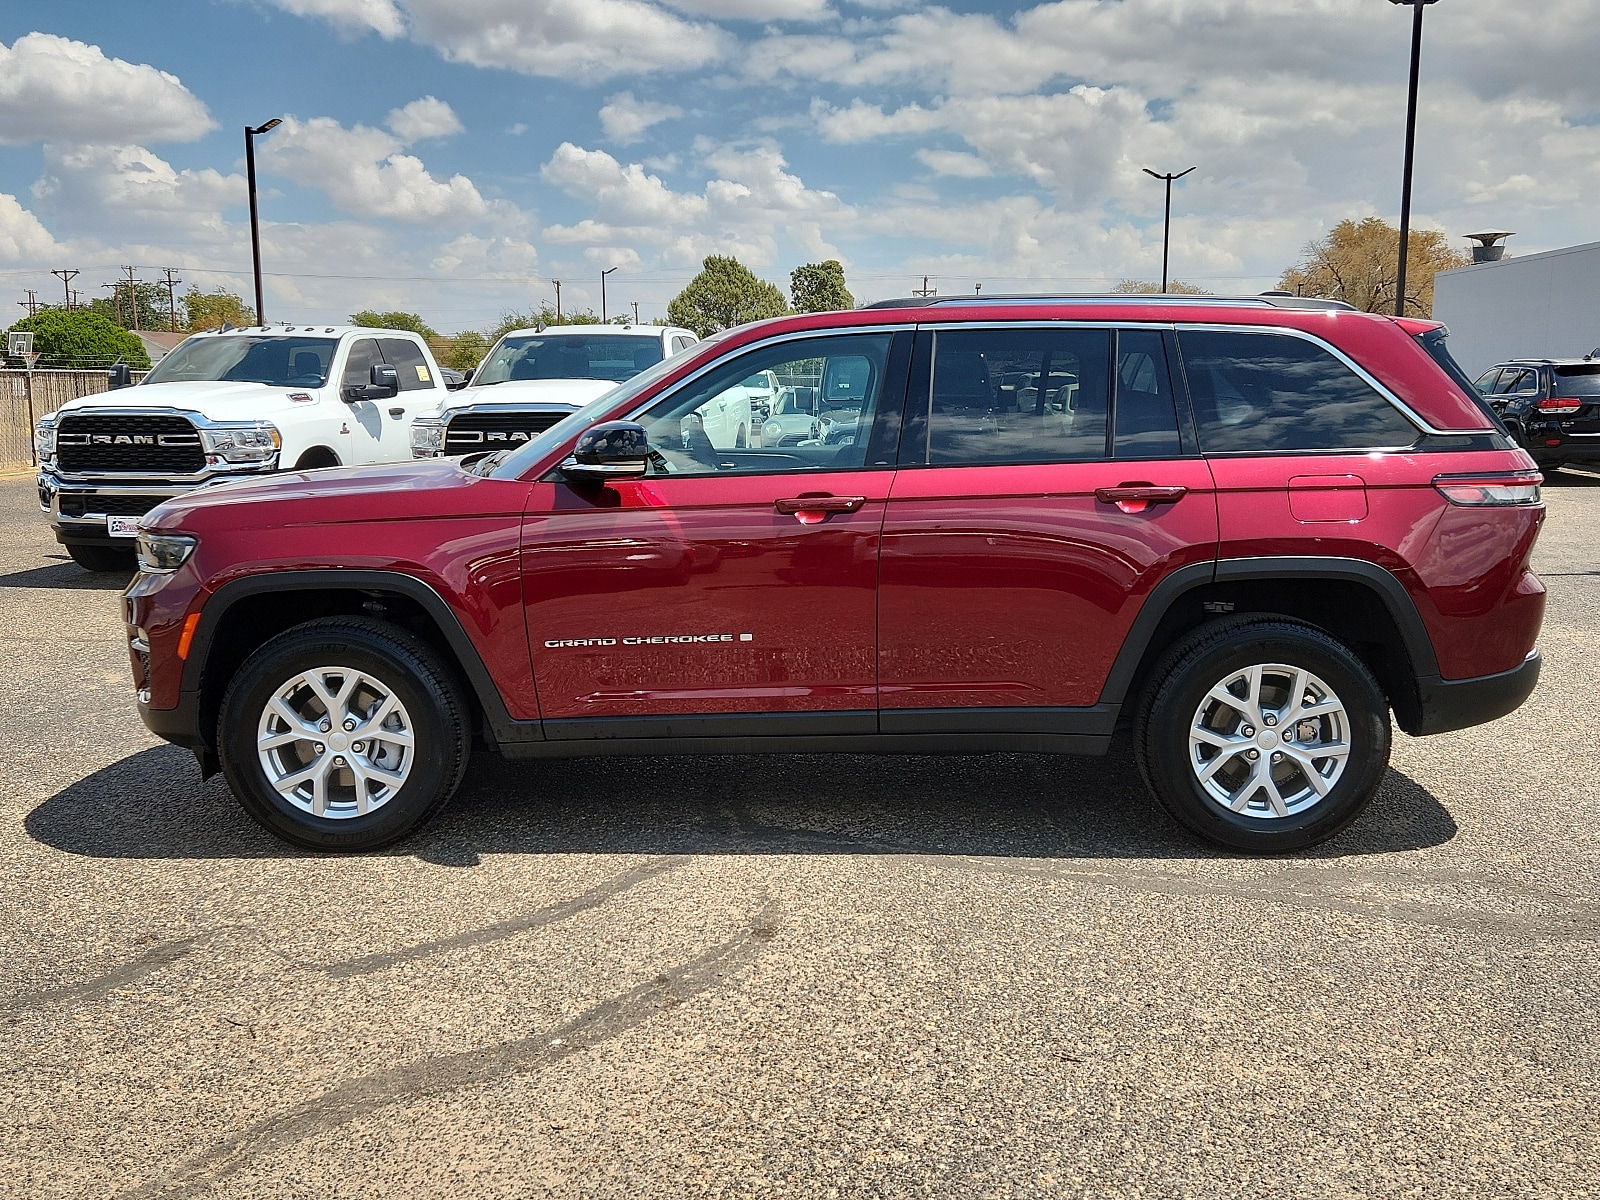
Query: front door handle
<point x="397" y="412"/>
<point x="1137" y="497"/>
<point x="809" y="510"/>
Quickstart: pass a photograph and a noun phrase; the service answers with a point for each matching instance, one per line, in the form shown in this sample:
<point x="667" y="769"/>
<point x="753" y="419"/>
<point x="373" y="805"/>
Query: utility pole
<point x="133" y="297"/>
<point x="557" y="282"/>
<point x="74" y="302"/>
<point x="1411" y="145"/>
<point x="635" y="312"/>
<point x="172" y="300"/>
<point x="66" y="280"/>
<point x="603" y="275"/>
<point x="977" y="289"/>
<point x="1166" y="229"/>
<point x="116" y="296"/>
<point x="32" y="302"/>
<point x="925" y="290"/>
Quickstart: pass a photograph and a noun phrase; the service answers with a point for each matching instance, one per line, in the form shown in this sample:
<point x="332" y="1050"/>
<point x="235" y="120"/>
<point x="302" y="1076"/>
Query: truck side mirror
<point x="383" y="382"/>
<point x="608" y="452"/>
<point x="119" y="376"/>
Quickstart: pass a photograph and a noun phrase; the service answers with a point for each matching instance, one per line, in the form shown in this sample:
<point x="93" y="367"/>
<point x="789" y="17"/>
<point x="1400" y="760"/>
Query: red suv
<point x="1242" y="530"/>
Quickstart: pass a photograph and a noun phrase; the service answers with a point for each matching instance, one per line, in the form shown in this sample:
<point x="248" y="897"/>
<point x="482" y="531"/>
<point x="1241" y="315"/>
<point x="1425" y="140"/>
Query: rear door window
<point x="1146" y="411"/>
<point x="1020" y="395"/>
<point x="406" y="357"/>
<point x="1272" y="392"/>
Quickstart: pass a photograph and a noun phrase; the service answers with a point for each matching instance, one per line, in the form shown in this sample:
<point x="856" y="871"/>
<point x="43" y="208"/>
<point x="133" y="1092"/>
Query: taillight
<point x="1559" y="405"/>
<point x="1500" y="490"/>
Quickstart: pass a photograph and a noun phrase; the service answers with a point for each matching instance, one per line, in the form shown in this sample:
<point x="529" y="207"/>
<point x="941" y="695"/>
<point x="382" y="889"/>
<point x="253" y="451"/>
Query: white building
<point x="1533" y="306"/>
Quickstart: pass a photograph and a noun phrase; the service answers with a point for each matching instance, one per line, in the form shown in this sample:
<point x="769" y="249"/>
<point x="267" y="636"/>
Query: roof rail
<point x="1265" y="299"/>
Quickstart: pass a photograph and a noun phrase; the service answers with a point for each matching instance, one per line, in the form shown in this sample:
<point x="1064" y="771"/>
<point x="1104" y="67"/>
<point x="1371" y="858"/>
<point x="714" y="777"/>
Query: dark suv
<point x="1243" y="531"/>
<point x="1551" y="406"/>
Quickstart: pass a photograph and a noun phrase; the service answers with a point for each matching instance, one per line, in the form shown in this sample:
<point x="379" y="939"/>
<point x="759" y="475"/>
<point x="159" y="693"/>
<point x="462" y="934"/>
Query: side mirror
<point x="384" y="381"/>
<point x="609" y="451"/>
<point x="119" y="376"/>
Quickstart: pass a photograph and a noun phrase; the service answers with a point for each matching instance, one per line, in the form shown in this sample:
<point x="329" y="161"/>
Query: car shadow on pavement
<point x="64" y="573"/>
<point x="153" y="805"/>
<point x="1565" y="477"/>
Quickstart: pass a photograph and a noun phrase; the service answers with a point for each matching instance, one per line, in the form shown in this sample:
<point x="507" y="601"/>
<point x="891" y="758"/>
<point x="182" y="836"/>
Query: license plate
<point x="122" y="526"/>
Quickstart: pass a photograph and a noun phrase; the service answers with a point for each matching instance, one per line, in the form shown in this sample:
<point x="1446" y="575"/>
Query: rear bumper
<point x="1448" y="704"/>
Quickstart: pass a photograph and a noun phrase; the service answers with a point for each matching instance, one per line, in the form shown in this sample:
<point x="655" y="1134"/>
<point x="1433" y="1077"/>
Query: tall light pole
<point x="603" y="275"/>
<point x="1411" y="145"/>
<point x="255" y="225"/>
<point x="1166" y="229"/>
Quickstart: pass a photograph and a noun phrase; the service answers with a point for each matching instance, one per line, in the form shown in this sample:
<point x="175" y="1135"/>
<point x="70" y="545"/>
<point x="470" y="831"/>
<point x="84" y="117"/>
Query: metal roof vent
<point x="1489" y="248"/>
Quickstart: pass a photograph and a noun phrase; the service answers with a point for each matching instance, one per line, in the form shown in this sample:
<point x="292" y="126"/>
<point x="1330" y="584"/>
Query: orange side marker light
<point x="190" y="624"/>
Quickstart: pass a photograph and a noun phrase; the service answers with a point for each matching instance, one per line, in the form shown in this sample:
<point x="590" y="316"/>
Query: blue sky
<point x="453" y="157"/>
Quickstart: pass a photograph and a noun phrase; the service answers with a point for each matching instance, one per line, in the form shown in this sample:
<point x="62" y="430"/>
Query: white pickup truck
<point x="222" y="406"/>
<point x="531" y="378"/>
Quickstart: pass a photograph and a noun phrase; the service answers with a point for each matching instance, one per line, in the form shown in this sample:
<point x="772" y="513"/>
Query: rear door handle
<point x="809" y="510"/>
<point x="1136" y="497"/>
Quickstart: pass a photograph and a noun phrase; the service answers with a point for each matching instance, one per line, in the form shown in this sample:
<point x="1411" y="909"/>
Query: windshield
<point x="523" y="457"/>
<point x="568" y="356"/>
<point x="1578" y="381"/>
<point x="276" y="360"/>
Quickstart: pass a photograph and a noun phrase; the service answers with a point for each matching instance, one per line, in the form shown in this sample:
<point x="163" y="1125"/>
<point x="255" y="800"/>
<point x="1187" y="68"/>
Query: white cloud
<point x="363" y="171"/>
<point x="954" y="162"/>
<point x="428" y="117"/>
<point x="101" y="190"/>
<point x="756" y="10"/>
<point x="381" y="16"/>
<point x="53" y="88"/>
<point x="22" y="237"/>
<point x="625" y="118"/>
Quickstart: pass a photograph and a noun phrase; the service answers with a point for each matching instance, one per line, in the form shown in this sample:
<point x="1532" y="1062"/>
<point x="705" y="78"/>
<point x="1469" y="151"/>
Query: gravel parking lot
<point x="810" y="975"/>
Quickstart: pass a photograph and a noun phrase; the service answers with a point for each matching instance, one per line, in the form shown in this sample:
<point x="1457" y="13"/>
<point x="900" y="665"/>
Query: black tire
<point x="101" y="558"/>
<point x="439" y="715"/>
<point x="1180" y="683"/>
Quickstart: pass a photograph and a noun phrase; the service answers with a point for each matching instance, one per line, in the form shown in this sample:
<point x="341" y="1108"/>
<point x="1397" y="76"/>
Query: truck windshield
<point x="615" y="357"/>
<point x="281" y="361"/>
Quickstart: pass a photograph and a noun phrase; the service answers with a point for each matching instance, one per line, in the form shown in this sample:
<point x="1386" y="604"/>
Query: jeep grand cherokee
<point x="1243" y="531"/>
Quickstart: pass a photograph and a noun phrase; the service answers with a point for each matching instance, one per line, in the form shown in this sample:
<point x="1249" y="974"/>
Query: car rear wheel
<point x="101" y="558"/>
<point x="344" y="734"/>
<point x="1263" y="735"/>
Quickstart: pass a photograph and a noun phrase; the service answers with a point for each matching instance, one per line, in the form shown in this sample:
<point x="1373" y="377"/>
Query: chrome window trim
<point x="1366" y="376"/>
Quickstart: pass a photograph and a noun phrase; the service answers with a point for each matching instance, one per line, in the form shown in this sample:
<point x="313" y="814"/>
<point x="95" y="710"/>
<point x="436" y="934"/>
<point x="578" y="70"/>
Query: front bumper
<point x="78" y="508"/>
<point x="1448" y="704"/>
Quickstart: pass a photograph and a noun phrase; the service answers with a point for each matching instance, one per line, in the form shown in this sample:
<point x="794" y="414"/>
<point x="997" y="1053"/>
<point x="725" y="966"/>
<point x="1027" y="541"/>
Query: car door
<point x="732" y="589"/>
<point x="420" y="391"/>
<point x="364" y="425"/>
<point x="1020" y="540"/>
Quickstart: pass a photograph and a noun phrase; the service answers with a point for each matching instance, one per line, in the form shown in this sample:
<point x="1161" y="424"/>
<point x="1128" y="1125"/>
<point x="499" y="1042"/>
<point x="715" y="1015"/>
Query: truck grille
<point x="131" y="444"/>
<point x="469" y="433"/>
<point x="84" y="504"/>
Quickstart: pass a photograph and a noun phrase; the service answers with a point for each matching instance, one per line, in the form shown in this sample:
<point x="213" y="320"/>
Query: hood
<point x="221" y="401"/>
<point x="386" y="491"/>
<point x="576" y="392"/>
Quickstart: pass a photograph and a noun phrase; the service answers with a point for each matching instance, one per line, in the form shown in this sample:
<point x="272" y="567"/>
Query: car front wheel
<point x="1263" y="735"/>
<point x="343" y="734"/>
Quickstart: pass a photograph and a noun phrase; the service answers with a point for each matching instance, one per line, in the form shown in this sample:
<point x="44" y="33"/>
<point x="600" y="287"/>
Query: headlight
<point x="427" y="436"/>
<point x="161" y="553"/>
<point x="44" y="439"/>
<point x="257" y="442"/>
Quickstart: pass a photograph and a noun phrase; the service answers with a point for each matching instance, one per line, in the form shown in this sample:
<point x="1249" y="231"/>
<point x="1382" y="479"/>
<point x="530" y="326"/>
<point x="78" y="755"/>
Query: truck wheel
<point x="343" y="734"/>
<point x="101" y="558"/>
<point x="1262" y="734"/>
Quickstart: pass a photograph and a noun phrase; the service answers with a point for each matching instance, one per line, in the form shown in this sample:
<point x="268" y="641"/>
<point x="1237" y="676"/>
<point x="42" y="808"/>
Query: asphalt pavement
<point x="806" y="976"/>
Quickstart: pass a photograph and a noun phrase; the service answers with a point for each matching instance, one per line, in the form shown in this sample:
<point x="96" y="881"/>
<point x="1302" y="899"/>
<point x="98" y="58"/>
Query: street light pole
<point x="603" y="275"/>
<point x="1166" y="229"/>
<point x="255" y="225"/>
<point x="1411" y="145"/>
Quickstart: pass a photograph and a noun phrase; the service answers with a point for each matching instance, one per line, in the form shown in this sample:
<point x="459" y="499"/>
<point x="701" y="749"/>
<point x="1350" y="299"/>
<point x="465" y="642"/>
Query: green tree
<point x="1138" y="287"/>
<point x="545" y="314"/>
<point x="411" y="322"/>
<point x="465" y="351"/>
<point x="212" y="310"/>
<point x="1358" y="262"/>
<point x="725" y="293"/>
<point x="819" y="287"/>
<point x="80" y="339"/>
<point x="143" y="306"/>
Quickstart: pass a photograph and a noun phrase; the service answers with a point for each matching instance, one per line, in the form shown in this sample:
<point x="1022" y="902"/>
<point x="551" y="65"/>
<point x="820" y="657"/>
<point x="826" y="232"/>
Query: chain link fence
<point x="21" y="406"/>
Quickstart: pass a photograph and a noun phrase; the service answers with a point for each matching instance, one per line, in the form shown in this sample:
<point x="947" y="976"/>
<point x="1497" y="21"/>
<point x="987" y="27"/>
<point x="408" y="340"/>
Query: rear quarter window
<point x="1270" y="392"/>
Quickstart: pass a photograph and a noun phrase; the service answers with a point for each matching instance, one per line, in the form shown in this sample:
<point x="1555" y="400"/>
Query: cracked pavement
<point x="808" y="975"/>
